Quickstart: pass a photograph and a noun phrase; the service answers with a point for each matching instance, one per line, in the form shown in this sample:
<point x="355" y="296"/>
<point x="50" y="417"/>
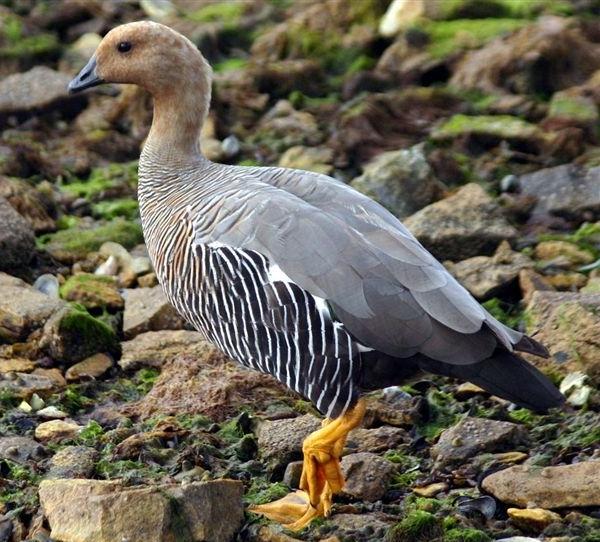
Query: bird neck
<point x="180" y="109"/>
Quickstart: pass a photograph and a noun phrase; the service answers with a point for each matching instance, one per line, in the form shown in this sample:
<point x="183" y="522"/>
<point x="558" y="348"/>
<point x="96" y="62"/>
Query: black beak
<point x="86" y="78"/>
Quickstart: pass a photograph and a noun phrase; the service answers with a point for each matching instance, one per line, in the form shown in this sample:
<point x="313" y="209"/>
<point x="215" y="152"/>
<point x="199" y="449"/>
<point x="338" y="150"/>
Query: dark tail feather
<point x="506" y="375"/>
<point x="531" y="346"/>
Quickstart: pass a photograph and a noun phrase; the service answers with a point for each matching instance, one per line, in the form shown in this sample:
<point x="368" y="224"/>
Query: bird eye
<point x="124" y="46"/>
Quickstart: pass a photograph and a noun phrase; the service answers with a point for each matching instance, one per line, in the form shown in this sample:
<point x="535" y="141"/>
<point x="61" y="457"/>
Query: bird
<point x="296" y="274"/>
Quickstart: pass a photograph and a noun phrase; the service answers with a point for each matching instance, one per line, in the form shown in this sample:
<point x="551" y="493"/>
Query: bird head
<point x="147" y="54"/>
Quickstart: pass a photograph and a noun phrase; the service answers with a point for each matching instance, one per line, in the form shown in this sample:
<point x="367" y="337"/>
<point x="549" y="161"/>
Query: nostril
<point x="84" y="76"/>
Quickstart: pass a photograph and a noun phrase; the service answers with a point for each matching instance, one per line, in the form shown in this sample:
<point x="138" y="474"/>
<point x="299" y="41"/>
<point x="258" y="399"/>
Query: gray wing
<point x="388" y="291"/>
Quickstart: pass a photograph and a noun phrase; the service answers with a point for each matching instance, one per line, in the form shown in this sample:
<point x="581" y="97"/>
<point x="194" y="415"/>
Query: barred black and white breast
<point x="301" y="277"/>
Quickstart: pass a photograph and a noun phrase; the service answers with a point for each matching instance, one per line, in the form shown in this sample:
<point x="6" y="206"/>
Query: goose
<point x="296" y="274"/>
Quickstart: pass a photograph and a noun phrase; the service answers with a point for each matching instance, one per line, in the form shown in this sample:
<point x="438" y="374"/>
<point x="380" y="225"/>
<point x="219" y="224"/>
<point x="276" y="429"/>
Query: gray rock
<point x="401" y="181"/>
<point x="24" y="385"/>
<point x="73" y="462"/>
<point x="565" y="190"/>
<point x="471" y="436"/>
<point x="21" y="449"/>
<point x="467" y="224"/>
<point x="293" y="473"/>
<point x="106" y="511"/>
<point x="367" y="475"/>
<point x="39" y="88"/>
<point x="155" y="348"/>
<point x="280" y="441"/>
<point x="34" y="206"/>
<point x="549" y="487"/>
<point x="23" y="309"/>
<point x="147" y="309"/>
<point x="486" y="276"/>
<point x="359" y="526"/>
<point x="17" y="240"/>
<point x="375" y="440"/>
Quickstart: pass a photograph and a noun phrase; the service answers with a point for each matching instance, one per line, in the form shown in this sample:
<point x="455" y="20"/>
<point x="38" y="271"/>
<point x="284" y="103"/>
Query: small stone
<point x="16" y="365"/>
<point x="158" y="10"/>
<point x="231" y="146"/>
<point x="48" y="285"/>
<point x="530" y="282"/>
<point x="147" y="309"/>
<point x="536" y="519"/>
<point x="155" y="348"/>
<point x="563" y="251"/>
<point x="93" y="291"/>
<point x="431" y="490"/>
<point x="53" y="374"/>
<point x="51" y="413"/>
<point x="367" y="475"/>
<point x="468" y="389"/>
<point x="21" y="449"/>
<point x="468" y="223"/>
<point x="280" y="441"/>
<point x="109" y="268"/>
<point x="567" y="281"/>
<point x="376" y="440"/>
<point x="106" y="511"/>
<point x="73" y="462"/>
<point x="90" y="368"/>
<point x="317" y="159"/>
<point x="551" y="487"/>
<point x="17" y="240"/>
<point x="292" y="474"/>
<point x="36" y="402"/>
<point x="148" y="281"/>
<point x="475" y="435"/>
<point x="24" y="385"/>
<point x="25" y="407"/>
<point x="57" y="430"/>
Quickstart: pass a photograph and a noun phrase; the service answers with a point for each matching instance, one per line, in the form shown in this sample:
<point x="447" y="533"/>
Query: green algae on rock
<point x="500" y="126"/>
<point x="113" y="181"/>
<point x="92" y="291"/>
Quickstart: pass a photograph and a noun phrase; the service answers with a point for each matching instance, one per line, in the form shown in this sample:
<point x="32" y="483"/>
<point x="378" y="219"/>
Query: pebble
<point x="532" y="518"/>
<point x="90" y="368"/>
<point x="56" y="430"/>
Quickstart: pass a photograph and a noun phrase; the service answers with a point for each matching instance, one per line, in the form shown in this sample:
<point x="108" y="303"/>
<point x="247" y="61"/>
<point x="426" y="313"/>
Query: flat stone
<point x="155" y="348"/>
<point x="472" y="436"/>
<point x="147" y="309"/>
<point x="486" y="276"/>
<point x="466" y="224"/>
<point x="38" y="88"/>
<point x="280" y="441"/>
<point x="24" y="385"/>
<point x="16" y="365"/>
<point x="402" y="181"/>
<point x="361" y="526"/>
<point x="93" y="291"/>
<point x="430" y="490"/>
<point x="367" y="475"/>
<point x="532" y="518"/>
<point x="17" y="240"/>
<point x="565" y="190"/>
<point x="73" y="462"/>
<point x="57" y="430"/>
<point x="105" y="511"/>
<point x="549" y="487"/>
<point x="563" y="253"/>
<point x="23" y="309"/>
<point x="21" y="449"/>
<point x="375" y="440"/>
<point x="90" y="368"/>
<point x="567" y="324"/>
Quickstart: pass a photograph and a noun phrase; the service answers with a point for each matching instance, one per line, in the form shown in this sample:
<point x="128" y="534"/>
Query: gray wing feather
<point x="389" y="292"/>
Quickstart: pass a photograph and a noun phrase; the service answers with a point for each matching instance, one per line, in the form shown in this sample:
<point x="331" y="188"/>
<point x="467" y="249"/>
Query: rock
<point x="526" y="62"/>
<point x="568" y="191"/>
<point x="90" y="368"/>
<point x="573" y="107"/>
<point x="51" y="413"/>
<point x="472" y="436"/>
<point x="39" y="88"/>
<point x="575" y="389"/>
<point x="206" y="382"/>
<point x="536" y="519"/>
<point x="93" y="291"/>
<point x="563" y="254"/>
<point x="158" y="9"/>
<point x="530" y="282"/>
<point x="73" y="462"/>
<point x="393" y="407"/>
<point x="72" y="335"/>
<point x="24" y="385"/>
<point x="466" y="224"/>
<point x="106" y="511"/>
<point x="23" y="309"/>
<point x="53" y="375"/>
<point x="57" y="430"/>
<point x="317" y="159"/>
<point x="80" y="51"/>
<point x="379" y="439"/>
<point x="402" y="13"/>
<point x="48" y="285"/>
<point x="548" y="487"/>
<point x="567" y="324"/>
<point x="430" y="490"/>
<point x="362" y="526"/>
<point x="293" y="473"/>
<point x="280" y="441"/>
<point x="570" y="281"/>
<point x="155" y="348"/>
<point x="147" y="309"/>
<point x="401" y="181"/>
<point x="21" y="449"/>
<point x="486" y="276"/>
<point x="16" y="365"/>
<point x="489" y="127"/>
<point x="367" y="475"/>
<point x="34" y="206"/>
<point x="17" y="241"/>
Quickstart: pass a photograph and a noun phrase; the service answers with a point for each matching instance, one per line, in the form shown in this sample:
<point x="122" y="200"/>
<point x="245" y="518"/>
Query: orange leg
<point x="321" y="474"/>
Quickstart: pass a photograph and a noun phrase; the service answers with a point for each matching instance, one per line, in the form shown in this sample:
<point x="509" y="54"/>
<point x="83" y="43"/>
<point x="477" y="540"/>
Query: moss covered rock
<point x="72" y="335"/>
<point x="93" y="291"/>
<point x="75" y="244"/>
<point x="417" y="526"/>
